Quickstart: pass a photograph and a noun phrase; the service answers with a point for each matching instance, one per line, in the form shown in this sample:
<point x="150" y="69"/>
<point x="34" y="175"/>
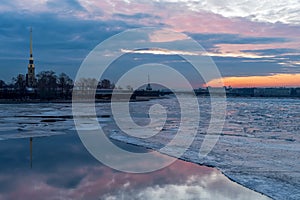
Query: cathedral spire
<point x="30" y="42"/>
<point x="30" y="78"/>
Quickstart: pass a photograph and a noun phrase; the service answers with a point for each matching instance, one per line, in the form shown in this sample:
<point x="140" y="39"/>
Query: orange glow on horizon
<point x="277" y="80"/>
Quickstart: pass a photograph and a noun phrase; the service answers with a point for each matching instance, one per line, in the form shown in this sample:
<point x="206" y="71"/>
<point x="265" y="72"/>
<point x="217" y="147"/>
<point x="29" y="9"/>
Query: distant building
<point x="201" y="91"/>
<point x="30" y="76"/>
<point x="245" y="92"/>
<point x="272" y="92"/>
<point x="217" y="91"/>
<point x="296" y="92"/>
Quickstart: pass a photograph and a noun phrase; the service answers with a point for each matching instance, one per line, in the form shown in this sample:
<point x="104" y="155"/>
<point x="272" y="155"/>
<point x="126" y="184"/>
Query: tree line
<point x="48" y="86"/>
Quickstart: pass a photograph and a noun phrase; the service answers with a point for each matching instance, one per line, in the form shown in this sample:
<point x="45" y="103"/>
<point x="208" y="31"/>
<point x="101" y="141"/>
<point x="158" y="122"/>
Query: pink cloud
<point x="180" y="18"/>
<point x="204" y="22"/>
<point x="177" y="16"/>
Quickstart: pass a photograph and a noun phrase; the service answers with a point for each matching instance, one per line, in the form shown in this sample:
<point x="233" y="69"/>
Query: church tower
<point x="30" y="76"/>
<point x="149" y="88"/>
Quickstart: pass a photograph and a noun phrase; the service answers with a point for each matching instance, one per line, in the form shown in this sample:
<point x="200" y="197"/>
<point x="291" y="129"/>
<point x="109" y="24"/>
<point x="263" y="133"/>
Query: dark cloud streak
<point x="61" y="42"/>
<point x="210" y="40"/>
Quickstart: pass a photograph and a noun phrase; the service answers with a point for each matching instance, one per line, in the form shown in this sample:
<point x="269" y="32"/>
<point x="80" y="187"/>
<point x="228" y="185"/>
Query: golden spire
<point x="30" y="79"/>
<point x="30" y="41"/>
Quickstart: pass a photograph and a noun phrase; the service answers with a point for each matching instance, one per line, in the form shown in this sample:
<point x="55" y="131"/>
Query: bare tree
<point x="47" y="84"/>
<point x="20" y="85"/>
<point x="65" y="84"/>
<point x="2" y="84"/>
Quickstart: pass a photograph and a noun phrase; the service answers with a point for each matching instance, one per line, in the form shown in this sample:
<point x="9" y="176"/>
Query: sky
<point x="254" y="43"/>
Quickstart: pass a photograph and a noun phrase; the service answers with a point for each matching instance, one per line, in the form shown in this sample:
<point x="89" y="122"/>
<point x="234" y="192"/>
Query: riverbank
<point x="9" y="101"/>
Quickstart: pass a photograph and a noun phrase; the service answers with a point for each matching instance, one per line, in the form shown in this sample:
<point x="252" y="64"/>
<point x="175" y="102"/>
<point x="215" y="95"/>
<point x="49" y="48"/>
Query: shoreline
<point x="141" y="99"/>
<point x="63" y="101"/>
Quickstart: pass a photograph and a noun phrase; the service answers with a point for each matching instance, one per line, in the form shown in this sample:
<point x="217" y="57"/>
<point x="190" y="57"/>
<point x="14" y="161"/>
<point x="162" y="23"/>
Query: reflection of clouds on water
<point x="211" y="186"/>
<point x="63" y="169"/>
<point x="91" y="182"/>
